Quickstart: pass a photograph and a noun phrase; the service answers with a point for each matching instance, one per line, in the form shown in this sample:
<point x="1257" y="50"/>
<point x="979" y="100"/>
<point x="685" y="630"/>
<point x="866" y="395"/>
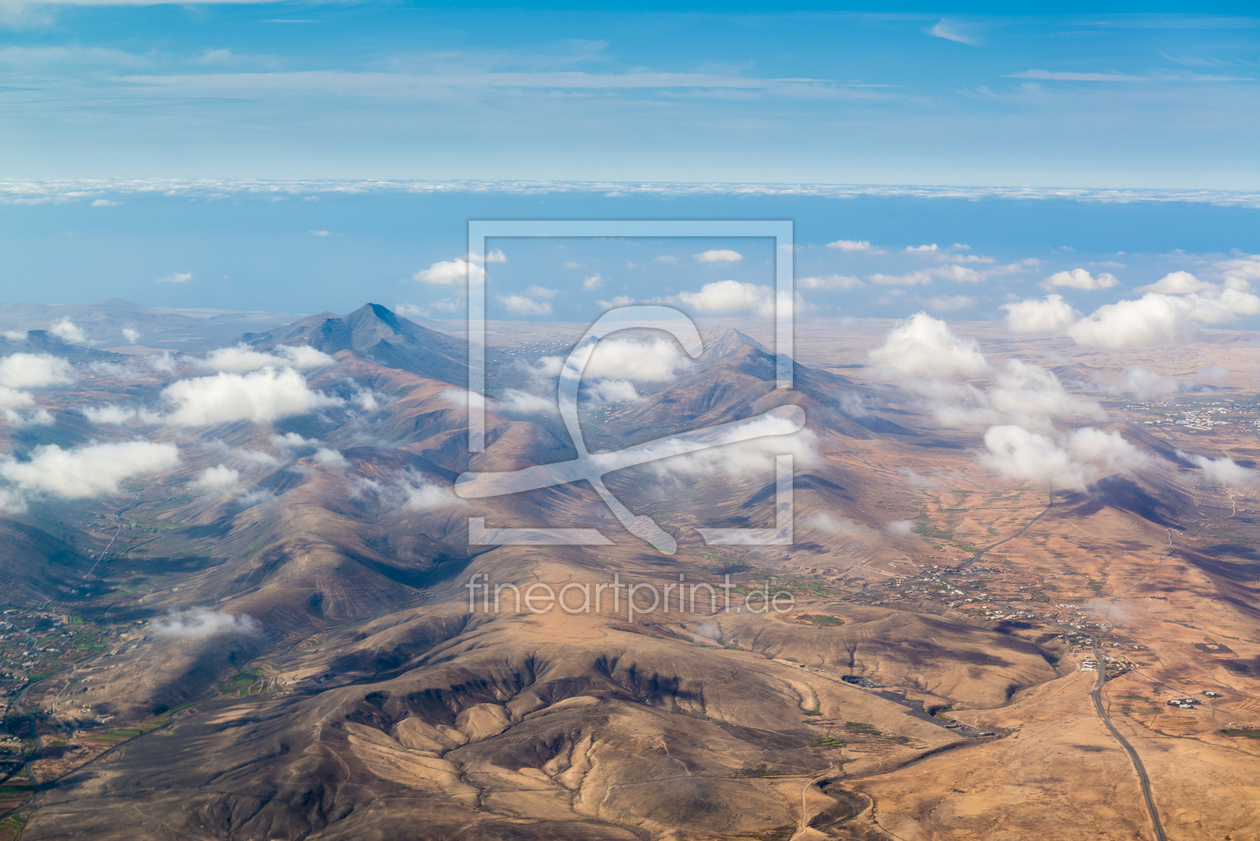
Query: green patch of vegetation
<point x="726" y="566"/>
<point x="1243" y="732"/>
<point x="814" y="711"/>
<point x="120" y="735"/>
<point x="241" y="680"/>
<point x="761" y="771"/>
<point x="11" y="827"/>
<point x="821" y="619"/>
<point x="829" y="742"/>
<point x="258" y="545"/>
<point x="926" y="529"/>
<point x="861" y="727"/>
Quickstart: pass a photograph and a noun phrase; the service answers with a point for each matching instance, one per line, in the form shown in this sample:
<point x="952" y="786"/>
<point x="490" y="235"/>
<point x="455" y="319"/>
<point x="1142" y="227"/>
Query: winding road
<point x="1143" y="779"/>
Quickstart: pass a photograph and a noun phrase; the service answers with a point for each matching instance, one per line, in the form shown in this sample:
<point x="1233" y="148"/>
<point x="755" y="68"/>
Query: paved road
<point x="1143" y="780"/>
<point x="980" y="552"/>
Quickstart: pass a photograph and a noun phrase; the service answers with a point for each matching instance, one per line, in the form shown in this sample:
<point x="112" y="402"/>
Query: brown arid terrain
<point x="998" y="581"/>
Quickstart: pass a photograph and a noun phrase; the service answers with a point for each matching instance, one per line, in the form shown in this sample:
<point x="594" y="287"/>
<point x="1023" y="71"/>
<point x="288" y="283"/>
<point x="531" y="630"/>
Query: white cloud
<point x="251" y="458"/>
<point x="1149" y="320"/>
<point x="104" y="203"/>
<point x="1023" y="394"/>
<point x="1242" y="269"/>
<point x="1079" y="279"/>
<point x="411" y="311"/>
<point x="850" y="245"/>
<point x="831" y="524"/>
<point x="68" y="332"/>
<point x="114" y="415"/>
<point x="365" y="400"/>
<point x="217" y="478"/>
<point x="1051" y="314"/>
<point x="1076" y="76"/>
<point x="520" y="305"/>
<point x="329" y="457"/>
<point x="457" y="270"/>
<point x="254" y="497"/>
<point x="447" y="272"/>
<point x="613" y="391"/>
<point x="960" y="274"/>
<point x="518" y="402"/>
<point x="1106" y="451"/>
<point x="754" y="458"/>
<point x="900" y="528"/>
<point x="615" y="303"/>
<point x="951" y="31"/>
<point x="1143" y="384"/>
<point x="921" y="249"/>
<point x="919" y="278"/>
<point x="1075" y="461"/>
<point x="112" y="369"/>
<point x="131" y="334"/>
<point x="409" y="491"/>
<point x="923" y="346"/>
<point x="40" y="417"/>
<point x="90" y="470"/>
<point x="653" y="361"/>
<point x="174" y="277"/>
<point x="200" y="623"/>
<point x="952" y="272"/>
<point x="541" y="292"/>
<point x="592" y="282"/>
<point x="950" y="302"/>
<point x="1224" y="470"/>
<point x="1028" y="394"/>
<point x="723" y="297"/>
<point x="461" y="399"/>
<point x="319" y="233"/>
<point x="1176" y="283"/>
<point x="261" y="396"/>
<point x="1156" y="318"/>
<point x="243" y="358"/>
<point x="292" y="441"/>
<point x="831" y="281"/>
<point x="34" y="370"/>
<point x="423" y="495"/>
<point x="162" y="362"/>
<point x="15" y="335"/>
<point x="722" y="256"/>
<point x="917" y="481"/>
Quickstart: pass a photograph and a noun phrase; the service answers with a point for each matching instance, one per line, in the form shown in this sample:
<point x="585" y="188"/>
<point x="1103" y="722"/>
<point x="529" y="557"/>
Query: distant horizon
<point x="44" y="190"/>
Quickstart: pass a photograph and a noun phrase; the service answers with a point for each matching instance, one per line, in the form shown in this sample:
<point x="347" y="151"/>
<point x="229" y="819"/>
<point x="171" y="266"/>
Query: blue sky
<point x="335" y="245"/>
<point x="372" y="90"/>
<point x="304" y="156"/>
